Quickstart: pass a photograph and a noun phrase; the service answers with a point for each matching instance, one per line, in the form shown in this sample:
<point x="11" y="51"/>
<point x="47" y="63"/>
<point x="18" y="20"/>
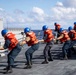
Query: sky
<point x="36" y="13"/>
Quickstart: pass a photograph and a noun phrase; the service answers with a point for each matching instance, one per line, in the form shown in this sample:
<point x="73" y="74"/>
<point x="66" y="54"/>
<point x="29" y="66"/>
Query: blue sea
<point x="39" y="33"/>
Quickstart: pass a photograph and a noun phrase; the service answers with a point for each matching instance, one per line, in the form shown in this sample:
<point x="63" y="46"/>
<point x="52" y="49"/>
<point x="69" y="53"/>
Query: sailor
<point x="57" y="28"/>
<point x="72" y="34"/>
<point x="48" y="39"/>
<point x="32" y="41"/>
<point x="12" y="44"/>
<point x="64" y="38"/>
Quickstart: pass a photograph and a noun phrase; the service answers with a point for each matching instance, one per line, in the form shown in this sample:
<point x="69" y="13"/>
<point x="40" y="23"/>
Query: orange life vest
<point x="65" y="36"/>
<point x="74" y="34"/>
<point x="33" y="38"/>
<point x="49" y="34"/>
<point x="13" y="41"/>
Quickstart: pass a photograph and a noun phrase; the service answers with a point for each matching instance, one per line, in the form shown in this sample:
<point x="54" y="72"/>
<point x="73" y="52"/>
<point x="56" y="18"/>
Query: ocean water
<point x="39" y="33"/>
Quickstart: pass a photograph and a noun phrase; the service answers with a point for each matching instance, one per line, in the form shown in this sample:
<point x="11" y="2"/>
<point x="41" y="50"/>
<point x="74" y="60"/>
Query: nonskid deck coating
<point x="56" y="67"/>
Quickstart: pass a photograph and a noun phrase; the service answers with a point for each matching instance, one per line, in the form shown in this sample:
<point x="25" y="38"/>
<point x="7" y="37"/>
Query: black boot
<point x="13" y="66"/>
<point x="29" y="66"/>
<point x="8" y="69"/>
<point x="50" y="59"/>
<point x="65" y="57"/>
<point x="5" y="68"/>
<point x="27" y="63"/>
<point x="45" y="62"/>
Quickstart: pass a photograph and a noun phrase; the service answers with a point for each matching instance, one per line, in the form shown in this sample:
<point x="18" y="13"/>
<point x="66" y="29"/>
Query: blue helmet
<point x="55" y="23"/>
<point x="26" y="30"/>
<point x="45" y="27"/>
<point x="70" y="28"/>
<point x="61" y="29"/>
<point x="75" y="23"/>
<point x="3" y="32"/>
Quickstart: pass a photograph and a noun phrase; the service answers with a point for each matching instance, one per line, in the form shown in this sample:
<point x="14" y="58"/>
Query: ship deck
<point x="55" y="67"/>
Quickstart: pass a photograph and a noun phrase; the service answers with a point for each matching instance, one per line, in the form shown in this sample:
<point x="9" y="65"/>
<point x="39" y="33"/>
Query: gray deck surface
<point x="56" y="67"/>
